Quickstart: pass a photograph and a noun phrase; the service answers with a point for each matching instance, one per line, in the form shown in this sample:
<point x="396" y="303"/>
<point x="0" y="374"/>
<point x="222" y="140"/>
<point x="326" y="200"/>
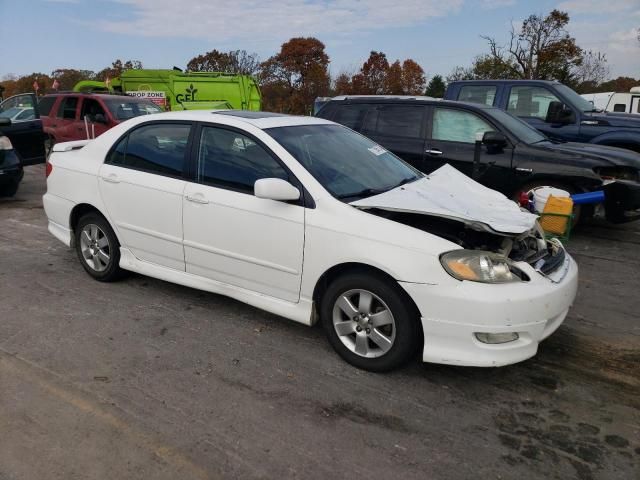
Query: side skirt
<point x="299" y="312"/>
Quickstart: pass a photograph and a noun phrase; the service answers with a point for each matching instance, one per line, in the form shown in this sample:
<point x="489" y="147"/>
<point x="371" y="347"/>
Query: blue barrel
<point x="589" y="197"/>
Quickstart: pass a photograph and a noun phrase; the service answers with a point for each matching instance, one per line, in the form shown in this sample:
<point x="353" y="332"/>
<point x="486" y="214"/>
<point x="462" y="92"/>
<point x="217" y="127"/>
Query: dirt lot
<point x="145" y="379"/>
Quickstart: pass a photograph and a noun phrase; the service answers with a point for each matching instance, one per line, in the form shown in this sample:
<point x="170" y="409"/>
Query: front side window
<point x="484" y="94"/>
<point x="26" y="100"/>
<point x="457" y="126"/>
<point x="159" y="148"/>
<point x="529" y="101"/>
<point x="395" y="120"/>
<point x="67" y="108"/>
<point x="91" y="108"/>
<point x="232" y="160"/>
<point x="347" y="164"/>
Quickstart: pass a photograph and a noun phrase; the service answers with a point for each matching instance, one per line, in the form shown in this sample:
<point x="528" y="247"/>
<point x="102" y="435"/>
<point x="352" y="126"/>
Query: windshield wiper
<point x="367" y="192"/>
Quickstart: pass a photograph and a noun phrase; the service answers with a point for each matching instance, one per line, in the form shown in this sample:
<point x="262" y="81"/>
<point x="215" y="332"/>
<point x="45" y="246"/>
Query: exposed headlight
<point x="5" y="143"/>
<point x="480" y="266"/>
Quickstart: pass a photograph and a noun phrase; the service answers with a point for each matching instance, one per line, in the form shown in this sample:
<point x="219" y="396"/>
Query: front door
<point x="142" y="183"/>
<point x="25" y="132"/>
<point x="93" y="118"/>
<point x="400" y="129"/>
<point x="232" y="236"/>
<point x="452" y="140"/>
<point x="531" y="104"/>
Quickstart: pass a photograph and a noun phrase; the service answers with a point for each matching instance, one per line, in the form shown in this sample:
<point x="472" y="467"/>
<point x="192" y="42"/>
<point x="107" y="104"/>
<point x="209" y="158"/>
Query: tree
<point x="117" y="68"/>
<point x="592" y="71"/>
<point x="393" y="84"/>
<point x="620" y="84"/>
<point x="68" y="77"/>
<point x="413" y="79"/>
<point x="460" y="73"/>
<point x="15" y="85"/>
<point x="235" y="61"/>
<point x="436" y="87"/>
<point x="342" y="84"/>
<point x="541" y="49"/>
<point x="371" y="79"/>
<point x="293" y="78"/>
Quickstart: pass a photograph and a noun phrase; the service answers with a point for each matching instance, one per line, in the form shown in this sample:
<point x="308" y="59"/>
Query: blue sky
<point x="42" y="35"/>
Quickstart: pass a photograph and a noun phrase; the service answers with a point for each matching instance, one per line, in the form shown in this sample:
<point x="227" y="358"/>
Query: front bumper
<point x="452" y="315"/>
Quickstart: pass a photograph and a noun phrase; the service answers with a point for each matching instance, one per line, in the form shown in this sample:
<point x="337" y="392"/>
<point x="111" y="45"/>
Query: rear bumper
<point x="58" y="211"/>
<point x="452" y="316"/>
<point x="622" y="201"/>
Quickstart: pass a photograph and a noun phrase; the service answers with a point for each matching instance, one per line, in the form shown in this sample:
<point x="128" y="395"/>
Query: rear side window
<point x="350" y="115"/>
<point x="395" y="120"/>
<point x="457" y="126"/>
<point x="158" y="148"/>
<point x="68" y="108"/>
<point x="45" y="104"/>
<point x="485" y="94"/>
<point x="232" y="160"/>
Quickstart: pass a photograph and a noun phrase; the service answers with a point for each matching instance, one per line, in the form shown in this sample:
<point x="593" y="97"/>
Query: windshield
<point x="347" y="164"/>
<point x="123" y="109"/>
<point x="519" y="128"/>
<point x="576" y="100"/>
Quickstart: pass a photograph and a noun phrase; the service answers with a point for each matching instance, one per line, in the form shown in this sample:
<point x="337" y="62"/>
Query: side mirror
<point x="559" y="114"/>
<point x="495" y="141"/>
<point x="5" y="122"/>
<point x="275" y="189"/>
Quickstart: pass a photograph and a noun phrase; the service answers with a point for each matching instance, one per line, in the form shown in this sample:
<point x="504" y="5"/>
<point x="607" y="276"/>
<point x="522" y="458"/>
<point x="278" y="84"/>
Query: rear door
<point x="65" y="126"/>
<point x="142" y="183"/>
<point x="25" y="131"/>
<point x="400" y="129"/>
<point x="452" y="140"/>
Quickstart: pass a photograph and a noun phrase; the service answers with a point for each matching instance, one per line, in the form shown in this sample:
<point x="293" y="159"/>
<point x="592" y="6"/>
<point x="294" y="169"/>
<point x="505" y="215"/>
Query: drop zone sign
<point x="158" y="98"/>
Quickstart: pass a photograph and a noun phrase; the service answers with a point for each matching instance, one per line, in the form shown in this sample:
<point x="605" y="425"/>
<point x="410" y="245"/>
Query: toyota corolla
<point x="311" y="221"/>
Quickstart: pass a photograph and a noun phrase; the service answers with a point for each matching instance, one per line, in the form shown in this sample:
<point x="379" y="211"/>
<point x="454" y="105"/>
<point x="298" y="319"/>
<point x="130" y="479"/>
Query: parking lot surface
<point x="146" y="379"/>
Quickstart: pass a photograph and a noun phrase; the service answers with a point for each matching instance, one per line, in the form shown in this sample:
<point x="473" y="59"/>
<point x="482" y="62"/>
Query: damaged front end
<point x="544" y="255"/>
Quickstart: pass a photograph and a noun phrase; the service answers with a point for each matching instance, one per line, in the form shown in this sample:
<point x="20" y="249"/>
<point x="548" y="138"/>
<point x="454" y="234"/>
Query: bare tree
<point x="593" y="68"/>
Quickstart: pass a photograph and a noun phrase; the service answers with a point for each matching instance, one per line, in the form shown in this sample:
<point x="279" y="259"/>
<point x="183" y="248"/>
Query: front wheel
<point x="370" y="322"/>
<point x="98" y="248"/>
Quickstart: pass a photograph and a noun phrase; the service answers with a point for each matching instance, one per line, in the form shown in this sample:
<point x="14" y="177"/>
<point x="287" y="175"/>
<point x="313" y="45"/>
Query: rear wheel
<point x="369" y="321"/>
<point x="98" y="248"/>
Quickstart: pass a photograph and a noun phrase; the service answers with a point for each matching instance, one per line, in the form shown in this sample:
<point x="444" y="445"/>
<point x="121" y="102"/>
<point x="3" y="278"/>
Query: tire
<point x="359" y="341"/>
<point x="10" y="190"/>
<point x="98" y="248"/>
<point x="580" y="214"/>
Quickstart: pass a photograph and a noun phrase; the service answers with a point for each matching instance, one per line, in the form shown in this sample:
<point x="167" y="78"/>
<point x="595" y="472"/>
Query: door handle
<point x="433" y="151"/>
<point x="197" y="198"/>
<point x="112" y="178"/>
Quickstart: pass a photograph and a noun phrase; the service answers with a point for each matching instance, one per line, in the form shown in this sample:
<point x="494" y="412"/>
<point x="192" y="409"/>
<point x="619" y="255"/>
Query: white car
<point x="309" y="220"/>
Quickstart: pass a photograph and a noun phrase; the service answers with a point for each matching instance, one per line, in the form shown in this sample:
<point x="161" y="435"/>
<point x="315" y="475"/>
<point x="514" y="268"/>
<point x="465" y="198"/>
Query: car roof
<point x="261" y="120"/>
<point x="493" y="82"/>
<point x="401" y="99"/>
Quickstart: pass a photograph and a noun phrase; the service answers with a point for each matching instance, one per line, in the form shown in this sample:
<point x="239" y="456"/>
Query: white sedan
<point x="309" y="220"/>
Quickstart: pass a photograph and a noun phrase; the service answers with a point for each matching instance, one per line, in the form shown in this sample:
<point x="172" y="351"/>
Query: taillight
<point x="47" y="169"/>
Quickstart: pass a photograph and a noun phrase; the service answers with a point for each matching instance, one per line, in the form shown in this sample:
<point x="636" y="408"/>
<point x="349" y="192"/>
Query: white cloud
<point x="491" y="4"/>
<point x="223" y="20"/>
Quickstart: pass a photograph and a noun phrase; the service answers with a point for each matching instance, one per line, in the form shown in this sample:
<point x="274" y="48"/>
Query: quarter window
<point x="159" y="149"/>
<point x="396" y="121"/>
<point x="484" y="94"/>
<point x="68" y="108"/>
<point x="232" y="160"/>
<point x="457" y="126"/>
<point x="530" y="101"/>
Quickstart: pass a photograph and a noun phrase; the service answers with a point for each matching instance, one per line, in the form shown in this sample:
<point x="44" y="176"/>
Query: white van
<point x="616" y="102"/>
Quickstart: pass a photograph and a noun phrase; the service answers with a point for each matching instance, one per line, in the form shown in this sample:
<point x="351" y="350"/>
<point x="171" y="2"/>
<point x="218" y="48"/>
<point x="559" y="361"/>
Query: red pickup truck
<point x="79" y="116"/>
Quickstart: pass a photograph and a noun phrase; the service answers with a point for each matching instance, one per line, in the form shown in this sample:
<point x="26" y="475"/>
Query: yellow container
<point x="556" y="215"/>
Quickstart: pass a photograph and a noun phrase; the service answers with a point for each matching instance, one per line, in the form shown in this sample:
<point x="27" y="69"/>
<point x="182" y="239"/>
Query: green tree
<point x="235" y="61"/>
<point x="436" y="87"/>
<point x="68" y="77"/>
<point x="117" y="67"/>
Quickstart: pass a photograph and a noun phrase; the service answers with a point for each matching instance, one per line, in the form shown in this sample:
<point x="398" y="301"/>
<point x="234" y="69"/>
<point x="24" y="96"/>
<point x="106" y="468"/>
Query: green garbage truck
<point x="177" y="90"/>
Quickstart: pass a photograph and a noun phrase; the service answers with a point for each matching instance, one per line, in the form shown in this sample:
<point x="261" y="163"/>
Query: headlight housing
<point x="481" y="266"/>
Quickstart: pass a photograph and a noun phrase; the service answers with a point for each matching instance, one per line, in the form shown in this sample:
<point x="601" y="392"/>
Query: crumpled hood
<point x="611" y="155"/>
<point x="449" y="193"/>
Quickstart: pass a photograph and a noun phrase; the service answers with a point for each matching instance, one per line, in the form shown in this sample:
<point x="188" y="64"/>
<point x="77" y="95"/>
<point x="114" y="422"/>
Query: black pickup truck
<point x="428" y="133"/>
<point x="554" y="109"/>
